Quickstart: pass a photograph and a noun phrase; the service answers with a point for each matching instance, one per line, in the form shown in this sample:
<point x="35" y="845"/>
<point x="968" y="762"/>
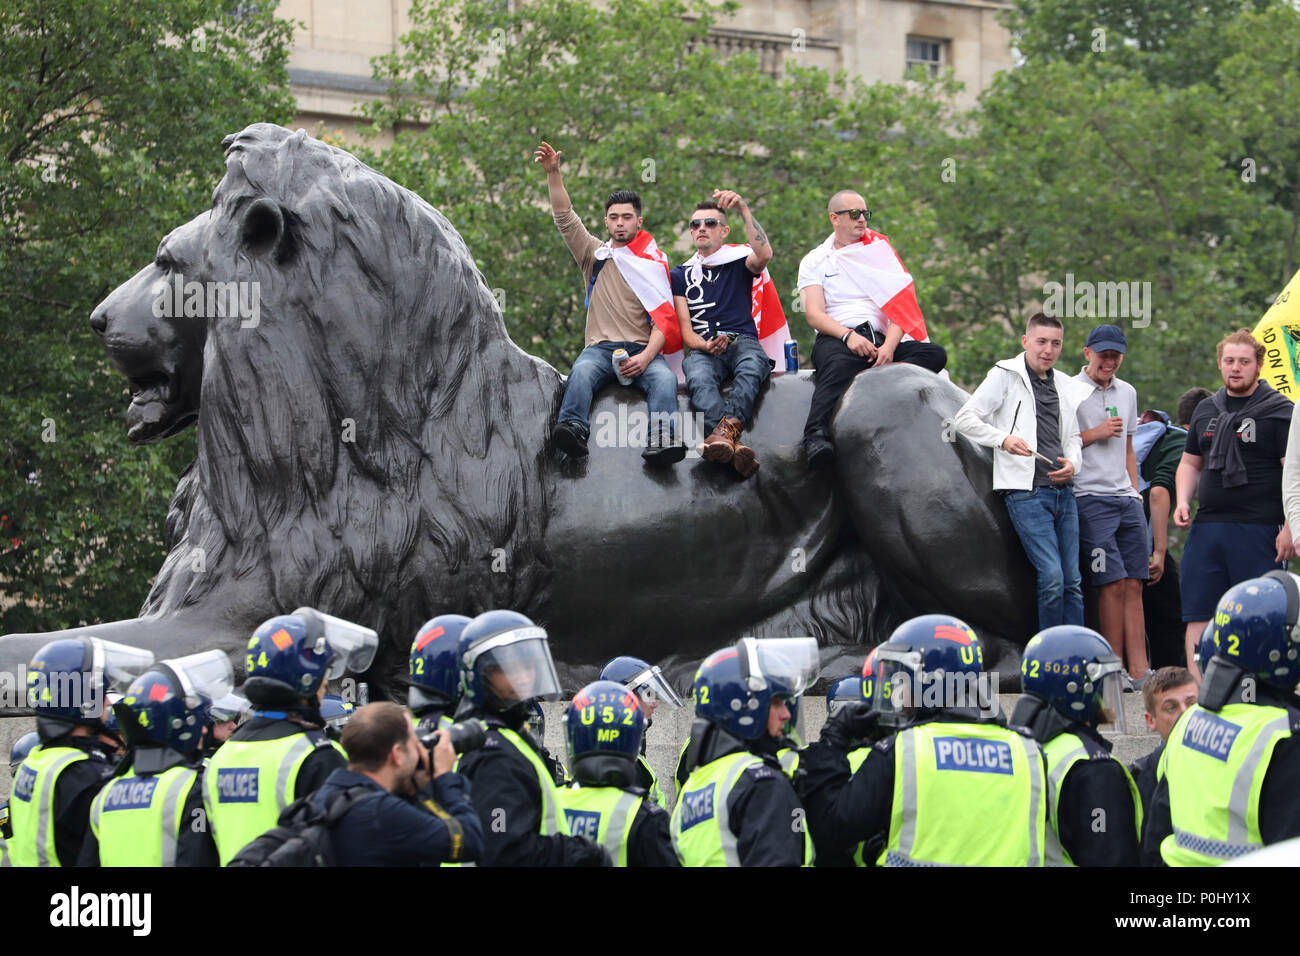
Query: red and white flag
<point x="645" y="269"/>
<point x="765" y="307"/>
<point x="873" y="266"/>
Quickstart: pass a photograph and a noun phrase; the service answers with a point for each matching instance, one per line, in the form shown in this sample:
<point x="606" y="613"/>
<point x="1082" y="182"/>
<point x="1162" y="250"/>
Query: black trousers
<point x="837" y="365"/>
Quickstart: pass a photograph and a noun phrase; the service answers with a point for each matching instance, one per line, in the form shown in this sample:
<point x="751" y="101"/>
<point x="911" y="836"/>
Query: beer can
<point x="1111" y="411"/>
<point x="620" y="356"/>
<point x="791" y="356"/>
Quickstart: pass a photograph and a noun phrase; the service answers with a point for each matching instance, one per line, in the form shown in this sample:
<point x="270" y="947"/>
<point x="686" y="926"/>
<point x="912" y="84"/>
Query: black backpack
<point x="302" y="837"/>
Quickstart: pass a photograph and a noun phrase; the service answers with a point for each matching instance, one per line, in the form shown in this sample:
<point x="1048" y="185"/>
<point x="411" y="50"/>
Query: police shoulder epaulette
<point x="493" y="742"/>
<point x="885" y="744"/>
<point x="763" y="771"/>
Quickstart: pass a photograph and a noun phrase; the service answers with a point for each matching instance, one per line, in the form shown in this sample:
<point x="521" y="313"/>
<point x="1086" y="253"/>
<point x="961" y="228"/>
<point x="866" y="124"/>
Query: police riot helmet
<point x="505" y="662"/>
<point x="644" y="679"/>
<point x="1257" y="628"/>
<point x="68" y="681"/>
<point x="604" y="725"/>
<point x="734" y="687"/>
<point x="336" y="712"/>
<point x="435" y="664"/>
<point x="232" y="706"/>
<point x="844" y="691"/>
<point x="929" y="663"/>
<point x="170" y="704"/>
<point x="869" y="676"/>
<point x="21" y="748"/>
<point x="1205" y="647"/>
<point x="290" y="655"/>
<point x="1074" y="670"/>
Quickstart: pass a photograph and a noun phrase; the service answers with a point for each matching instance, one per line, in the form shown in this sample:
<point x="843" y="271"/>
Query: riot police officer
<point x="21" y="748"/>
<point x="1227" y="781"/>
<point x="506" y="665"/>
<point x="652" y="689"/>
<point x="151" y="812"/>
<point x="434" y="670"/>
<point x="281" y="753"/>
<point x="604" y="726"/>
<point x="737" y="807"/>
<point x="1072" y="685"/>
<point x="970" y="790"/>
<point x="843" y="693"/>
<point x="67" y="684"/>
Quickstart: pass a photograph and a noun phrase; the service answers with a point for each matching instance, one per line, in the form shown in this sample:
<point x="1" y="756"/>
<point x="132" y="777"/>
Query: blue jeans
<point x="744" y="360"/>
<point x="1048" y="524"/>
<point x="594" y="369"/>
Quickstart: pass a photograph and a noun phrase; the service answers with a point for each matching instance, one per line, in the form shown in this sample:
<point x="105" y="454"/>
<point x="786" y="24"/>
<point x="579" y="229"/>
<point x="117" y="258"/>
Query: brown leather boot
<point x="744" y="460"/>
<point x="720" y="446"/>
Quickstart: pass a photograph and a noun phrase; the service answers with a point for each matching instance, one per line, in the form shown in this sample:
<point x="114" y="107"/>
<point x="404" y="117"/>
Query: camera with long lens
<point x="465" y="735"/>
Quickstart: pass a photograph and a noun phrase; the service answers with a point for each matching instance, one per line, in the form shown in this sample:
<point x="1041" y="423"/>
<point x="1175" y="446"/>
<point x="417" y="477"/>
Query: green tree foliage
<point x="634" y="99"/>
<point x="1113" y="168"/>
<point x="111" y="120"/>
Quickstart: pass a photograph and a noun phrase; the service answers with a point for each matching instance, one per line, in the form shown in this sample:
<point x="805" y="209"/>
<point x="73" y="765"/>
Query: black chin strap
<point x="1040" y="718"/>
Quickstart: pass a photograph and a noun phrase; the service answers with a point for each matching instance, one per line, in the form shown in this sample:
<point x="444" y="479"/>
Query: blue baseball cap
<point x="1107" y="338"/>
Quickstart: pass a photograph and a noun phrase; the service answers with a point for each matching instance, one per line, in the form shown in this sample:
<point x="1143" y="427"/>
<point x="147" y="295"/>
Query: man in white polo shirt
<point x="1112" y="528"/>
<point x="862" y="303"/>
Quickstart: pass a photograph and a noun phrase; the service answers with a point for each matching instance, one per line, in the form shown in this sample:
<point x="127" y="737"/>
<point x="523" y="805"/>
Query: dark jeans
<point x="837" y="366"/>
<point x="594" y="369"/>
<point x="1047" y="522"/>
<point x="746" y="361"/>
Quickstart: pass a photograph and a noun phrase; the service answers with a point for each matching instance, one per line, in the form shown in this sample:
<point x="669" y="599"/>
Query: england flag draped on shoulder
<point x="645" y="268"/>
<point x="874" y="267"/>
<point x="765" y="307"/>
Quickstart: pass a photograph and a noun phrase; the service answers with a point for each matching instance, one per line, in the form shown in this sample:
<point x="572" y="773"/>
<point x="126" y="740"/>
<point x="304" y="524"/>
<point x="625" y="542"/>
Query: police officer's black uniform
<point x="845" y="810"/>
<point x="75" y="791"/>
<point x="1094" y="787"/>
<point x="508" y="799"/>
<point x="762" y="797"/>
<point x="1143" y="771"/>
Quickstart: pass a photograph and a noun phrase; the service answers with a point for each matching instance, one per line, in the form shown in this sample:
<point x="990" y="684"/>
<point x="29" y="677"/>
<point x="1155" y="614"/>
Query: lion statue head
<point x="348" y="369"/>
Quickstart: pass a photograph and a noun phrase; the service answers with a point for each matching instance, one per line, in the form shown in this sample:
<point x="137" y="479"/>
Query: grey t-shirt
<point x="1105" y="462"/>
<point x="1047" y="413"/>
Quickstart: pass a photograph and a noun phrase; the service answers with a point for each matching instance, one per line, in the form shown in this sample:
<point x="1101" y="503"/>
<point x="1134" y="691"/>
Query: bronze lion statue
<point x="372" y="443"/>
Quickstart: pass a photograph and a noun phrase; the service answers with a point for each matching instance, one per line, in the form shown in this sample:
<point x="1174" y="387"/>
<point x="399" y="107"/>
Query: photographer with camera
<point x="401" y="816"/>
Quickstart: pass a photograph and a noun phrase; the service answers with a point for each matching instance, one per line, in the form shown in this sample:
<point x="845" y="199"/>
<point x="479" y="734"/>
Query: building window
<point x="927" y="54"/>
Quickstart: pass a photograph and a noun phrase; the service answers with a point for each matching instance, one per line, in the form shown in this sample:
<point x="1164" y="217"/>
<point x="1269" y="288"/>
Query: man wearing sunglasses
<point x="862" y="303"/>
<point x="713" y="296"/>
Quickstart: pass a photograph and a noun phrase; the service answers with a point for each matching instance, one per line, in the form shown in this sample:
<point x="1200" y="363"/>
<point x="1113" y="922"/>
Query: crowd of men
<point x="913" y="766"/>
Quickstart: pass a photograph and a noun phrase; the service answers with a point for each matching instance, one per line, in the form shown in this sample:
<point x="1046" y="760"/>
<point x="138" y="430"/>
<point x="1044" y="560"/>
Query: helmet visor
<point x="652" y="687"/>
<point x="892" y="684"/>
<point x="519" y="668"/>
<point x="230" y="707"/>
<point x="206" y="674"/>
<point x="786" y="665"/>
<point x="1107" y="673"/>
<point x="116" y="665"/>
<point x="353" y="645"/>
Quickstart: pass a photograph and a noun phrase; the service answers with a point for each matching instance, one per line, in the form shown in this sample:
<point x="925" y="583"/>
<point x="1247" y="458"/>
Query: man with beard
<point x="1236" y="447"/>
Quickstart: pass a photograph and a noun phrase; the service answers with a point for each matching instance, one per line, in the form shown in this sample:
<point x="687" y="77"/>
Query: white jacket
<point x="987" y="417"/>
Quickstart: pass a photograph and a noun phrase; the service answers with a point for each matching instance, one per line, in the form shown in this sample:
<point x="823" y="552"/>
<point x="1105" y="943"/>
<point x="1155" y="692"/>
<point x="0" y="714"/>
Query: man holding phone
<point x="1027" y="412"/>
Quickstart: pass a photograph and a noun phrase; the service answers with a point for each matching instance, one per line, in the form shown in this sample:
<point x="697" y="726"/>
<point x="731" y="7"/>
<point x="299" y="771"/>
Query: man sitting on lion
<point x="628" y="307"/>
